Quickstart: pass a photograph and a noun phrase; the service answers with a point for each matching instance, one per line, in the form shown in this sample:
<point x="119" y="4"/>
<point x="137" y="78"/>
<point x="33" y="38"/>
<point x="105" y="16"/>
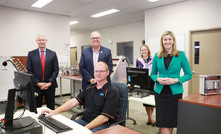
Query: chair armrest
<point x="119" y="122"/>
<point x="76" y="115"/>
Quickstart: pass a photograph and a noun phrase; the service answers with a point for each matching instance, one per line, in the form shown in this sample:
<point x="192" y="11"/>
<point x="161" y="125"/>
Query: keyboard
<point x="53" y="124"/>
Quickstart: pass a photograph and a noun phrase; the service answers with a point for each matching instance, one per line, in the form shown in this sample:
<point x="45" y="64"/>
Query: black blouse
<point x="167" y="60"/>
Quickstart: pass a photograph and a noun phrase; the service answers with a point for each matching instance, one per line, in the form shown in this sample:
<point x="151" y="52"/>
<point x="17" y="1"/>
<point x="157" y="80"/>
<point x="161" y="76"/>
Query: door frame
<point x="191" y="50"/>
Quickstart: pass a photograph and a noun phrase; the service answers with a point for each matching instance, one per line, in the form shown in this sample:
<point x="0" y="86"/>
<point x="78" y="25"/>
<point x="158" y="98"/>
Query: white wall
<point x="121" y="33"/>
<point x="19" y="29"/>
<point x="181" y="18"/>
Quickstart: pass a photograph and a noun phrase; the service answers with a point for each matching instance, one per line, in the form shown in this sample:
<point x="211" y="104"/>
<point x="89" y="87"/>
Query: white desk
<point x="146" y="100"/>
<point x="77" y="128"/>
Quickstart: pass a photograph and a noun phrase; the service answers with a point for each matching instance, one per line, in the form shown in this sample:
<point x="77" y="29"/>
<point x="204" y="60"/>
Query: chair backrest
<point x="123" y="104"/>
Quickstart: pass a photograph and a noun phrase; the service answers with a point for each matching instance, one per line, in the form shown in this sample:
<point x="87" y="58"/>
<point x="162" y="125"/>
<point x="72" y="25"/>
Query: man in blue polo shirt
<point x="100" y="100"/>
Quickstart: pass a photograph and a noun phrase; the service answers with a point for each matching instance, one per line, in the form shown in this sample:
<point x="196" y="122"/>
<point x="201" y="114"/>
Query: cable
<point x="20" y="116"/>
<point x="5" y="64"/>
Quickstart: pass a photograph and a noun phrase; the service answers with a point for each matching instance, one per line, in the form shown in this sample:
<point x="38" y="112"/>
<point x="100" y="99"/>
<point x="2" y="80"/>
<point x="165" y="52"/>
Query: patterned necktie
<point x="43" y="63"/>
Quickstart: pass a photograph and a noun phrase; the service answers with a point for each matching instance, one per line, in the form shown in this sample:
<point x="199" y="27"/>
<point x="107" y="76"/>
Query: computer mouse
<point x="43" y="115"/>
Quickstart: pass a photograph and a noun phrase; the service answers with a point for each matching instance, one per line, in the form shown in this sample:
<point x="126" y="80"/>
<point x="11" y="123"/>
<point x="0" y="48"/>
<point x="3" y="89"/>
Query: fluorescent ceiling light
<point x="73" y="22"/>
<point x="41" y="3"/>
<point x="105" y="13"/>
<point x="152" y="0"/>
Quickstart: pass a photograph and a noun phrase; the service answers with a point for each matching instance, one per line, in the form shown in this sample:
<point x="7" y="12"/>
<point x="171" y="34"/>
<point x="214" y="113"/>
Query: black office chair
<point x="122" y="107"/>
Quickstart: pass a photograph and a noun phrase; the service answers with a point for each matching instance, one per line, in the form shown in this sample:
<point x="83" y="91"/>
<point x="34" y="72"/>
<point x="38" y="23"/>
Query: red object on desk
<point x="118" y="129"/>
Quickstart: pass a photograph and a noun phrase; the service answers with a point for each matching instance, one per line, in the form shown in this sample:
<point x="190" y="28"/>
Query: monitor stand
<point x="24" y="125"/>
<point x="20" y="123"/>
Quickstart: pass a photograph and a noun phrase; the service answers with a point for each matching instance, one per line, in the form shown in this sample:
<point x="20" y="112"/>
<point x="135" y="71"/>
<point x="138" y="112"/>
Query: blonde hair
<point x="102" y="62"/>
<point x="149" y="54"/>
<point x="162" y="52"/>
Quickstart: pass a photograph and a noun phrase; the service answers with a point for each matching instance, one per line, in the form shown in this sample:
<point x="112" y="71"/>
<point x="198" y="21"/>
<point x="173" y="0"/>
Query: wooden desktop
<point x="199" y="114"/>
<point x="118" y="129"/>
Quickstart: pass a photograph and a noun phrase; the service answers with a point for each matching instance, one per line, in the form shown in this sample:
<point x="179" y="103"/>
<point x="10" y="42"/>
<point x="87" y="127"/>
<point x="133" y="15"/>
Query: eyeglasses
<point x="95" y="38"/>
<point x="99" y="71"/>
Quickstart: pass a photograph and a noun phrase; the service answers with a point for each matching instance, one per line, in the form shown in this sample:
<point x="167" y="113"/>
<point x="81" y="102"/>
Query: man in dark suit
<point x="90" y="56"/>
<point x="42" y="63"/>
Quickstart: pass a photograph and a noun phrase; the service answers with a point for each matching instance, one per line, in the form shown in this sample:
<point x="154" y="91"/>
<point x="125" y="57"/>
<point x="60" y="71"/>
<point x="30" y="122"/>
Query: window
<point x="125" y="49"/>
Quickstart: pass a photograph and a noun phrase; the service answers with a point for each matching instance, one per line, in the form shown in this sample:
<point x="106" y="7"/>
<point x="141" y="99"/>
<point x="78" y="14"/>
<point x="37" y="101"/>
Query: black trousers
<point x="49" y="97"/>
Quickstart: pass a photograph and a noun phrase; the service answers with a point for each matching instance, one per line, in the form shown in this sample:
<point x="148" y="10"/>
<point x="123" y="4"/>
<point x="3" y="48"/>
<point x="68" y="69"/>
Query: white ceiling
<point x="81" y="10"/>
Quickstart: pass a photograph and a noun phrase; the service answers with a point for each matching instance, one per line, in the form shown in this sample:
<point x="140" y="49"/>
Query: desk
<point x="72" y="83"/>
<point x="118" y="129"/>
<point x="77" y="128"/>
<point x="146" y="100"/>
<point x="199" y="114"/>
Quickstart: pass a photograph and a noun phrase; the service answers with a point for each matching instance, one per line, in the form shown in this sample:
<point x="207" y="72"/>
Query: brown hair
<point x="148" y="49"/>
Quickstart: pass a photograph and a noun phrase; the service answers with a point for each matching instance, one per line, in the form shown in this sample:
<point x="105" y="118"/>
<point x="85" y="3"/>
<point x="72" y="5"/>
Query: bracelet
<point x="175" y="80"/>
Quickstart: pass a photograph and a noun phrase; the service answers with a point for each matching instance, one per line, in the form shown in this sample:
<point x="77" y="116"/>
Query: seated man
<point x="100" y="100"/>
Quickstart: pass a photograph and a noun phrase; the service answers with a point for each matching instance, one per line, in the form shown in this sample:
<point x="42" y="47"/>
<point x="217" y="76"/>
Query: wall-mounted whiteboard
<point x="154" y="43"/>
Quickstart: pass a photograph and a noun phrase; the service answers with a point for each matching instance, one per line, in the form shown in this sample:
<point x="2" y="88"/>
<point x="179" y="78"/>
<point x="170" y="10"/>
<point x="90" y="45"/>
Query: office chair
<point x="122" y="107"/>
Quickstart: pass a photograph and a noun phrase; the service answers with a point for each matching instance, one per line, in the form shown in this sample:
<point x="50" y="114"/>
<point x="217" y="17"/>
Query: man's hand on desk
<point x="48" y="112"/>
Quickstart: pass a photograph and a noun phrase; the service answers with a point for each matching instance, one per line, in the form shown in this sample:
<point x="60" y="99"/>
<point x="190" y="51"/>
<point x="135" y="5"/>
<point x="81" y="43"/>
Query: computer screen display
<point x="24" y="92"/>
<point x="138" y="77"/>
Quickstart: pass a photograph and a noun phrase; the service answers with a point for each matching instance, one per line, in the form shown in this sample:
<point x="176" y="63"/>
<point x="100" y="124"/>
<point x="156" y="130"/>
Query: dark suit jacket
<point x="87" y="65"/>
<point x="51" y="67"/>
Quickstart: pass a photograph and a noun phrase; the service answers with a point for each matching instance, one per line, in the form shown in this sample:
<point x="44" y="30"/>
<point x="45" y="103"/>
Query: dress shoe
<point x="149" y="123"/>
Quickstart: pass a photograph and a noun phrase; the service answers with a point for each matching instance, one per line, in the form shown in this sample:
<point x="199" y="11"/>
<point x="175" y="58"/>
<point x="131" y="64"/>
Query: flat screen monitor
<point x="138" y="77"/>
<point x="24" y="94"/>
<point x="25" y="91"/>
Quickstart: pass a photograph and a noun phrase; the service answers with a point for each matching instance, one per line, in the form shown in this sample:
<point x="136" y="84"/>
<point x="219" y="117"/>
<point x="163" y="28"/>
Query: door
<point x="205" y="55"/>
<point x="73" y="57"/>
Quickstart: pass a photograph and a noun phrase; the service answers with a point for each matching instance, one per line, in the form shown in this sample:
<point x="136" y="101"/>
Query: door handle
<point x="194" y="72"/>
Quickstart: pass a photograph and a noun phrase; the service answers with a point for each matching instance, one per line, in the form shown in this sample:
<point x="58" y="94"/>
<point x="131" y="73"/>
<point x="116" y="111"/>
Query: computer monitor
<point x="138" y="77"/>
<point x="24" y="92"/>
